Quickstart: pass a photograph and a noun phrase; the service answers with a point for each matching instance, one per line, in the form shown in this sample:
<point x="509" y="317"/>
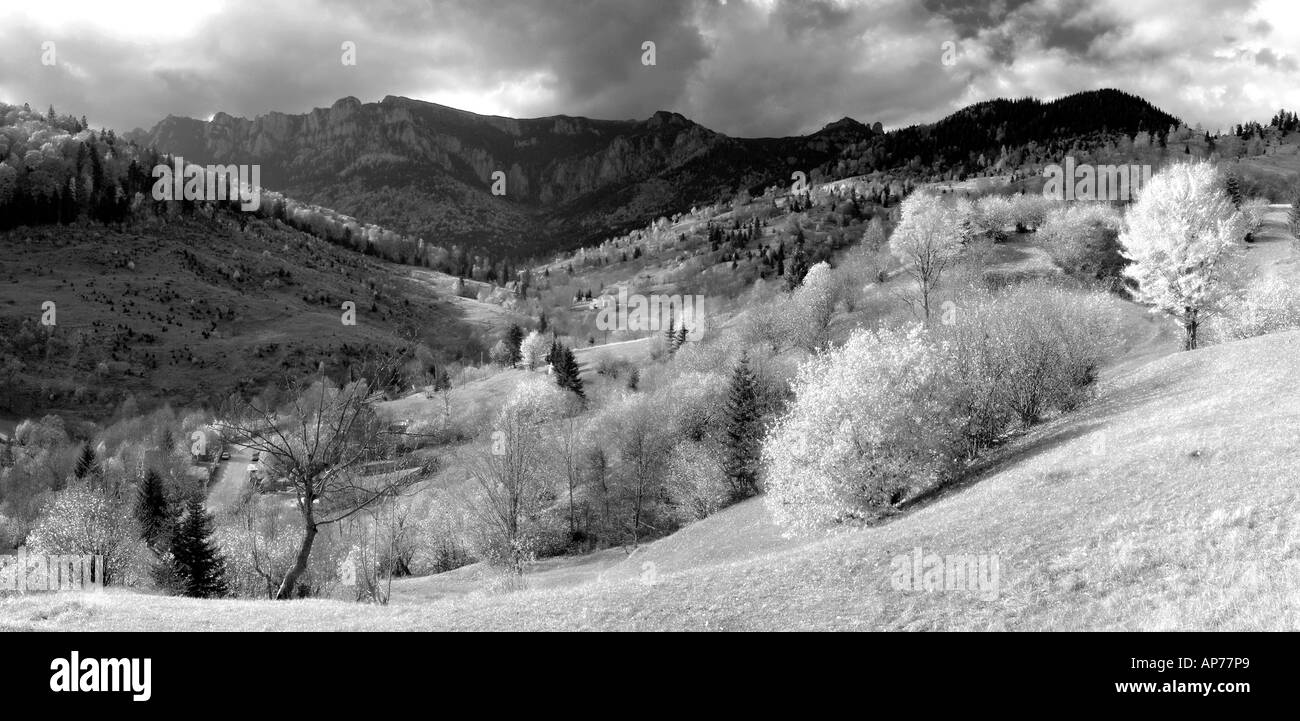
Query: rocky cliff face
<point x="428" y="169"/>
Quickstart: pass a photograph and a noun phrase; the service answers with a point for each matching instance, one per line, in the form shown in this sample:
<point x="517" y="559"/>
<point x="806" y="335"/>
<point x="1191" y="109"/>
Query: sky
<point x="741" y="67"/>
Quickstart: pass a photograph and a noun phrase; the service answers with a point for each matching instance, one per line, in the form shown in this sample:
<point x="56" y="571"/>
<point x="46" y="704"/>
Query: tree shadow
<point x="1096" y="415"/>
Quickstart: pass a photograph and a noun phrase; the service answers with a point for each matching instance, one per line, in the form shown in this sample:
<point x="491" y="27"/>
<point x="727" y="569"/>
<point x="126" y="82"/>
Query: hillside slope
<point x="1170" y="502"/>
<point x="187" y="310"/>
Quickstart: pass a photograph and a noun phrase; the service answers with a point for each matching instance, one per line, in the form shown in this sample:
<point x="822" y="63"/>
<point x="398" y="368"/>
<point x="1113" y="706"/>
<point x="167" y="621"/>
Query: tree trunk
<point x="299" y="566"/>
<point x="1191" y="324"/>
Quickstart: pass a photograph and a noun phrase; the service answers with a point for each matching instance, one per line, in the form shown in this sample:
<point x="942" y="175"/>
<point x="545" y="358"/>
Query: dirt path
<point x="1274" y="251"/>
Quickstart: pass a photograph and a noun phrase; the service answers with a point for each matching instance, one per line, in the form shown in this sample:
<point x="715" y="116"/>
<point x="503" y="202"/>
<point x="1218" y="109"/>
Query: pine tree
<point x="87" y="464"/>
<point x="681" y="336"/>
<point x="743" y="432"/>
<point x="199" y="568"/>
<point x="798" y="268"/>
<point x="1234" y="190"/>
<point x="153" y="511"/>
<point x="514" y="337"/>
<point x="670" y="336"/>
<point x="567" y="375"/>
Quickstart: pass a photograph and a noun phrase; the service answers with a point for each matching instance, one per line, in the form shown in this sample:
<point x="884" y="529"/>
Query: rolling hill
<point x="187" y="310"/>
<point x="1169" y="502"/>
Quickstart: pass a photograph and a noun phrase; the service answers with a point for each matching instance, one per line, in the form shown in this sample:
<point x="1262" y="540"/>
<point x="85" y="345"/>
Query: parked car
<point x="225" y="455"/>
<point x="257" y="456"/>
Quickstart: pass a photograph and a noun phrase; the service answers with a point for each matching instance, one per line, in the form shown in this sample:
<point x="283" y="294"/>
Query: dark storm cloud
<point x="744" y="67"/>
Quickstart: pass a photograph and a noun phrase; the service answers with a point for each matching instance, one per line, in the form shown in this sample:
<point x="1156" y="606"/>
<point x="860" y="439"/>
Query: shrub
<point x="82" y="521"/>
<point x="1267" y="306"/>
<point x="1030" y="210"/>
<point x="1022" y="352"/>
<point x="501" y="354"/>
<point x="870" y="421"/>
<point x="612" y="366"/>
<point x="697" y="484"/>
<point x="1083" y="238"/>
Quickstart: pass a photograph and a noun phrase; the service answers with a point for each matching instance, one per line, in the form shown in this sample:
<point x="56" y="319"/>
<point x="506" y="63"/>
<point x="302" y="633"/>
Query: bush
<point x="1267" y="306"/>
<point x="896" y="412"/>
<point x="611" y="366"/>
<point x="1022" y="352"/>
<point x="1083" y="238"/>
<point x="697" y="484"/>
<point x="870" y="422"/>
<point x="81" y="521"/>
<point x="1254" y="211"/>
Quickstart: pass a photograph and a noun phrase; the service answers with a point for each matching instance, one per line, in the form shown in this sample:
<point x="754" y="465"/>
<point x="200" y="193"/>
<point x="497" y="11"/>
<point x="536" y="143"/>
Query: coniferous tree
<point x="514" y="337"/>
<point x="798" y="267"/>
<point x="87" y="464"/>
<point x="153" y="511"/>
<point x="670" y="336"/>
<point x="743" y="432"/>
<point x="197" y="564"/>
<point x="681" y="336"/>
<point x="567" y="375"/>
<point x="1234" y="190"/>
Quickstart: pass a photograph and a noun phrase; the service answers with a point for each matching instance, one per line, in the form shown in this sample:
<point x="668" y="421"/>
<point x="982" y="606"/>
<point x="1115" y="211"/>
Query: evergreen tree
<point x="681" y="336"/>
<point x="798" y="268"/>
<point x="567" y="375"/>
<point x="514" y="337"/>
<point x="1234" y="190"/>
<point x="153" y="511"/>
<point x="87" y="464"/>
<point x="670" y="336"/>
<point x="199" y="568"/>
<point x="743" y="432"/>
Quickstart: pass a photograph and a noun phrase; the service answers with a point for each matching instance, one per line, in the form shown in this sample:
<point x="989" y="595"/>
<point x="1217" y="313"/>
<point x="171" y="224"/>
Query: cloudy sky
<point x="743" y="67"/>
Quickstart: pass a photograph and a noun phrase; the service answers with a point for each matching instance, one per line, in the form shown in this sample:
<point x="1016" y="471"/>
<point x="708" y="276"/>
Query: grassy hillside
<point x="1170" y="502"/>
<point x="185" y="311"/>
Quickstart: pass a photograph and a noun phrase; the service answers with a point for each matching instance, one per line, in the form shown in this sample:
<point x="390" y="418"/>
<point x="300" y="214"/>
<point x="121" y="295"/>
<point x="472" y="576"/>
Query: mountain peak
<point x="844" y="122"/>
<point x="667" y="118"/>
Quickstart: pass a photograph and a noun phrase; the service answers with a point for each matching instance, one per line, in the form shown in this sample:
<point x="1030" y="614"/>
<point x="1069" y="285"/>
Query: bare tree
<point x="322" y="440"/>
<point x="567" y="450"/>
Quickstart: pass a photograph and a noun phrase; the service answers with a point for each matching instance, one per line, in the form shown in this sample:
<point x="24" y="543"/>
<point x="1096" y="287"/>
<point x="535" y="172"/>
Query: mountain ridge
<point x="429" y="170"/>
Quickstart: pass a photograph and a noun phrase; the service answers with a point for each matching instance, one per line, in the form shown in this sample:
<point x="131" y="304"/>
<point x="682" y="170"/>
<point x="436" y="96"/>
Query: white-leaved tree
<point x="927" y="241"/>
<point x="813" y="308"/>
<point x="1180" y="235"/>
<point x="532" y="350"/>
<point x="510" y="479"/>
